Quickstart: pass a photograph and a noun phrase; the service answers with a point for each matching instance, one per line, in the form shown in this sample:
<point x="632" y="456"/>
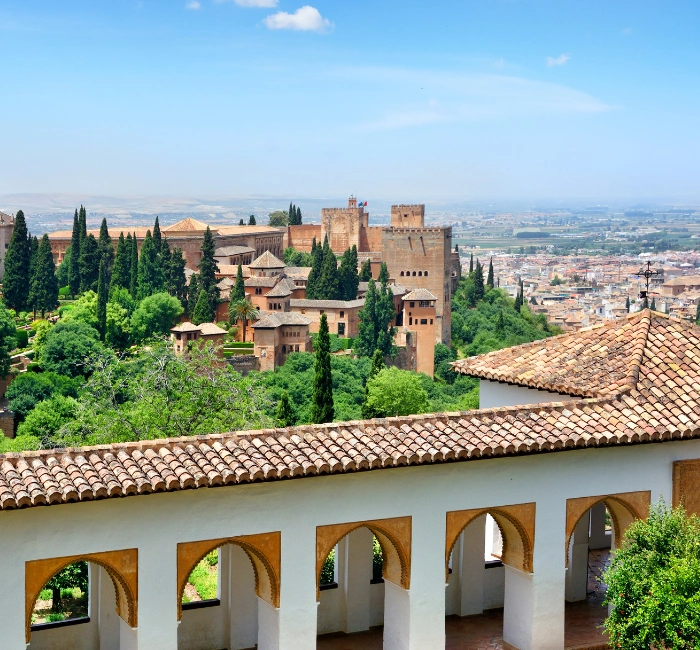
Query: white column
<point x="472" y="567"/>
<point x="293" y="625"/>
<point x="533" y="612"/>
<point x="599" y="538"/>
<point x="242" y="606"/>
<point x="415" y="619"/>
<point x="157" y="613"/>
<point x="105" y="610"/>
<point x="577" y="571"/>
<point x="12" y="600"/>
<point x="357" y="550"/>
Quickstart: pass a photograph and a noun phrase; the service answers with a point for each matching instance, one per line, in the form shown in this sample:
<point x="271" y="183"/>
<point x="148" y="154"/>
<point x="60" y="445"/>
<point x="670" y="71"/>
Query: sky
<point x="403" y="100"/>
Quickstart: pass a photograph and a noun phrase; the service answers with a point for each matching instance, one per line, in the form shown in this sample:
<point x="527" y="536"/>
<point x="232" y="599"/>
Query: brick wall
<point x="7" y="423"/>
<point x="301" y="237"/>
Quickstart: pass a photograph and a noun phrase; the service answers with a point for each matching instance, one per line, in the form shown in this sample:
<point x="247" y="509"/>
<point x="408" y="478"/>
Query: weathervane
<point x="647" y="273"/>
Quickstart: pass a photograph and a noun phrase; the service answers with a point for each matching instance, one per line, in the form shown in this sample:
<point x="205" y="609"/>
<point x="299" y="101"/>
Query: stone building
<point x="486" y="519"/>
<point x="419" y="314"/>
<point x="277" y="336"/>
<point x="187" y="333"/>
<point x="187" y="235"/>
<point x="7" y="227"/>
<point x="416" y="256"/>
<point x="343" y="315"/>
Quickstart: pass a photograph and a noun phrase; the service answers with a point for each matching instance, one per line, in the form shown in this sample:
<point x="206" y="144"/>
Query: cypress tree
<point x="366" y="342"/>
<point x="471" y="263"/>
<point x="329" y="284"/>
<point x="298" y="217"/>
<point x="89" y="263"/>
<point x="74" y="268"/>
<point x="164" y="258"/>
<point x="240" y="223"/>
<point x="366" y="271"/>
<point x="478" y="282"/>
<point x="150" y="276"/>
<point x="383" y="277"/>
<point x="238" y="290"/>
<point x="375" y="369"/>
<point x="285" y="413"/>
<point x="192" y="294"/>
<point x="178" y="279"/>
<point x="208" y="268"/>
<point x="349" y="280"/>
<point x="121" y="271"/>
<point x="33" y="257"/>
<point x="44" y="286"/>
<point x="102" y="297"/>
<point x="313" y="283"/>
<point x="134" y="266"/>
<point x="82" y="218"/>
<point x="157" y="237"/>
<point x="202" y="310"/>
<point x="15" y="282"/>
<point x="627" y="305"/>
<point x="653" y="304"/>
<point x="489" y="278"/>
<point x="251" y="220"/>
<point x="384" y="314"/>
<point x="322" y="409"/>
<point x="291" y="215"/>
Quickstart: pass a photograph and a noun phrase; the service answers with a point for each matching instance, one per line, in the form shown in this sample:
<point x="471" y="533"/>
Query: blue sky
<point x="401" y="100"/>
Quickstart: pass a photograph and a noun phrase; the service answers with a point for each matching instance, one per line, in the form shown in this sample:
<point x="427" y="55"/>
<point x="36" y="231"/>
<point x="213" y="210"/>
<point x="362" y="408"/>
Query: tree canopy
<point x="15" y="282"/>
<point x="322" y="409"/>
<point x="69" y="347"/>
<point x="396" y="392"/>
<point x="154" y="316"/>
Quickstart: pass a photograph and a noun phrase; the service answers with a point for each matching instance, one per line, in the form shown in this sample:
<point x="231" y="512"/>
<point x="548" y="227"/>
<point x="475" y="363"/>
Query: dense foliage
<point x="654" y="583"/>
<point x="396" y="392"/>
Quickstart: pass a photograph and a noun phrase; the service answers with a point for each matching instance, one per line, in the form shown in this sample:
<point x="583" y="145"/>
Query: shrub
<point x="64" y="292"/>
<point x="22" y="337"/>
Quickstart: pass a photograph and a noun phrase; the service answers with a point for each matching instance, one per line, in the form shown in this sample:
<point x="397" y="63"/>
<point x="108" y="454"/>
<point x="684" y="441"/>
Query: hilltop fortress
<point x="416" y="257"/>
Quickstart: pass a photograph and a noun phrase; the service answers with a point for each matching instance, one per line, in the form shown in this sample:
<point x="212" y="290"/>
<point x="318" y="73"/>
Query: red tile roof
<point x="657" y="398"/>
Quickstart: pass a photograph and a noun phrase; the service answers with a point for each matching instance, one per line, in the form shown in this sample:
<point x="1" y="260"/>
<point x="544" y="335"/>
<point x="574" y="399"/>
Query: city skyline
<point x="401" y="101"/>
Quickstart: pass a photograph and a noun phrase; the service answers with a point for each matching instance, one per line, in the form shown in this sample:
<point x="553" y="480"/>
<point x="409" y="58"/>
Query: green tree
<point x="627" y="305"/>
<point x="44" y="287"/>
<point x="30" y="388"/>
<point x="241" y="223"/>
<point x="150" y="275"/>
<point x="479" y="290"/>
<point x="68" y="348"/>
<point x="84" y="309"/>
<point x="118" y="321"/>
<point x="366" y="271"/>
<point x="45" y="419"/>
<point x="653" y="304"/>
<point x="82" y="220"/>
<point x="348" y="278"/>
<point x="329" y="283"/>
<point x="322" y="409"/>
<point x="89" y="263"/>
<point x="653" y="583"/>
<point x="285" y="412"/>
<point x="8" y="340"/>
<point x="202" y="310"/>
<point x="471" y="263"/>
<point x="313" y="282"/>
<point x="33" y="259"/>
<point x="134" y="267"/>
<point x="366" y="341"/>
<point x="102" y="297"/>
<point x="489" y="277"/>
<point x="157" y="236"/>
<point x="297" y="258"/>
<point x="238" y="289"/>
<point x="208" y="268"/>
<point x="443" y="358"/>
<point x="121" y="270"/>
<point x="63" y="270"/>
<point x="396" y="392"/>
<point x="106" y="249"/>
<point x="244" y="311"/>
<point x="74" y="267"/>
<point x="251" y="220"/>
<point x="278" y="218"/>
<point x="74" y="575"/>
<point x="297" y="220"/>
<point x="376" y="368"/>
<point x="192" y="294"/>
<point x="384" y="314"/>
<point x="177" y="280"/>
<point x="383" y="277"/>
<point x="154" y="316"/>
<point x="15" y="282"/>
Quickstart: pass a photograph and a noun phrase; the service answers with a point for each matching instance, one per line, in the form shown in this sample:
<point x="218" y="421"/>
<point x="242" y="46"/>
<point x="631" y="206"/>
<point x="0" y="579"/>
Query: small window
<point x="420" y="274"/>
<point x="425" y="274"/>
<point x="410" y="321"/>
<point x="413" y="304"/>
<point x="284" y="349"/>
<point x="402" y="274"/>
<point x="341" y="329"/>
<point x="303" y="311"/>
<point x="414" y="274"/>
<point x="423" y="321"/>
<point x="296" y="348"/>
<point x="431" y="321"/>
<point x="342" y="314"/>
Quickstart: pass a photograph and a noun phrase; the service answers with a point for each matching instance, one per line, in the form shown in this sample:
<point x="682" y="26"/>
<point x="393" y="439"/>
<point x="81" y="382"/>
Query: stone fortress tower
<point x="7" y="227"/>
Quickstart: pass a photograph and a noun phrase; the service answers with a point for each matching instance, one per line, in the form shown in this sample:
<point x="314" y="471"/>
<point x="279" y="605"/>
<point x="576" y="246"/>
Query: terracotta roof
<point x="276" y="319"/>
<point x="186" y="225"/>
<point x="658" y="400"/>
<point x="266" y="261"/>
<point x="419" y="294"/>
<point x="211" y="329"/>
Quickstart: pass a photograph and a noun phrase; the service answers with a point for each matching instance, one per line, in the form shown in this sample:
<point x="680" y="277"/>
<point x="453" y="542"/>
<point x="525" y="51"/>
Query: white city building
<point x="494" y="508"/>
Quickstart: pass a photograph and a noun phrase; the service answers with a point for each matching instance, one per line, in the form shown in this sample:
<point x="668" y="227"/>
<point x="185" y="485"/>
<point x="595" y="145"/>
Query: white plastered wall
<point x="493" y="394"/>
<point x="156" y="523"/>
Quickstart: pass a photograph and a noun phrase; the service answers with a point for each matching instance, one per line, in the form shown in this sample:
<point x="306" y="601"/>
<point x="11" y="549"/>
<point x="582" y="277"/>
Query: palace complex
<point x="486" y="519"/>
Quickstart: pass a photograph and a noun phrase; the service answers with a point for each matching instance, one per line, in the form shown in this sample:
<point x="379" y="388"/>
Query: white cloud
<point x="193" y="4"/>
<point x="267" y="4"/>
<point x="304" y="19"/>
<point x="559" y="60"/>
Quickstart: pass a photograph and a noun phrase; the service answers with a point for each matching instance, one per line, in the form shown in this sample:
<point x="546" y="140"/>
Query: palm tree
<point x="243" y="310"/>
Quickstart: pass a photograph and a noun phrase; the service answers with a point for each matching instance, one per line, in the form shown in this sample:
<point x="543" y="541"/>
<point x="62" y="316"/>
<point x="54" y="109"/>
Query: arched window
<point x="401" y="273"/>
<point x="414" y="274"/>
<point x="425" y="274"/>
<point x="420" y="274"/>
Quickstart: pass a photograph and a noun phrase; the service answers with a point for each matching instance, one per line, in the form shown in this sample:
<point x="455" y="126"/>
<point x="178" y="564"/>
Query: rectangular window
<point x="341" y="329"/>
<point x="423" y="321"/>
<point x="342" y="314"/>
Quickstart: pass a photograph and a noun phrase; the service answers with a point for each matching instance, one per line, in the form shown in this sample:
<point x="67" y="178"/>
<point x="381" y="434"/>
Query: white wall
<point x="493" y="394"/>
<point x="156" y="523"/>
